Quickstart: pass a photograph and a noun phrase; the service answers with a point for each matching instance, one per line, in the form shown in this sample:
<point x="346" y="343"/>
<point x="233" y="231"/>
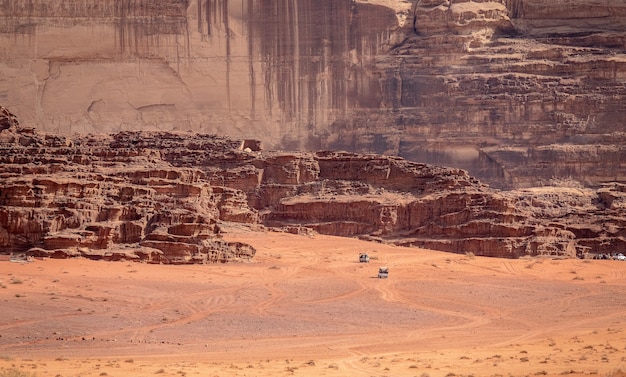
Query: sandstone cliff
<point x="164" y="197"/>
<point x="93" y="197"/>
<point x="274" y="71"/>
<point x="531" y="90"/>
<point x="517" y="92"/>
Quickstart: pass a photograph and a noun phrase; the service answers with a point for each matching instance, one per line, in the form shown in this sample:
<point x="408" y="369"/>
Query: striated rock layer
<point x="165" y="197"/>
<point x="517" y="92"/>
<point x="569" y="82"/>
<point x="101" y="197"/>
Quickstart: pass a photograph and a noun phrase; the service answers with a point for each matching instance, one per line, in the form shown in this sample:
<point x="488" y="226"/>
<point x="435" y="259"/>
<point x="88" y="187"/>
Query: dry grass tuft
<point x="14" y="372"/>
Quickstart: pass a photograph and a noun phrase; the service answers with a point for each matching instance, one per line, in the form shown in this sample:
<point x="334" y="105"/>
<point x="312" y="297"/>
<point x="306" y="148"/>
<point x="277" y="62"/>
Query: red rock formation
<point x="96" y="195"/>
<point x="516" y="92"/>
<point x="162" y="197"/>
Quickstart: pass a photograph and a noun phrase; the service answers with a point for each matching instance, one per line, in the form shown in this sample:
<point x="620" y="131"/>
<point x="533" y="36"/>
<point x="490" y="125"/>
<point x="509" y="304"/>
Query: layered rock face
<point x="164" y="197"/>
<point x="102" y="197"/>
<point x="517" y="92"/>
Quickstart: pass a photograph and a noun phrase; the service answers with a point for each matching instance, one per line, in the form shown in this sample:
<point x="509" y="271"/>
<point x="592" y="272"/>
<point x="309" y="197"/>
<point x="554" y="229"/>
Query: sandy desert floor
<point x="306" y="307"/>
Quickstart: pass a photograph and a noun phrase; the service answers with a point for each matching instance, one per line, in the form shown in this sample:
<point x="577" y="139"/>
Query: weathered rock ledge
<point x="161" y="197"/>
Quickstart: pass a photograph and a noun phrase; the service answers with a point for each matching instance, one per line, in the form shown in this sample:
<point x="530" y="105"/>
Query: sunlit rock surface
<point x="280" y="71"/>
<point x="165" y="197"/>
<point x="517" y="92"/>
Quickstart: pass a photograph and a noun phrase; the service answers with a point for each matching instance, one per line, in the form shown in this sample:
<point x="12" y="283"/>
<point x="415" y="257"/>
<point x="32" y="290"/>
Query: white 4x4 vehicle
<point x="620" y="256"/>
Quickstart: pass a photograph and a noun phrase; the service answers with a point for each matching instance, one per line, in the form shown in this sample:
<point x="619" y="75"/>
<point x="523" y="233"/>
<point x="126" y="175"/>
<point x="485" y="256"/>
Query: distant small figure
<point x="364" y="258"/>
<point x="383" y="273"/>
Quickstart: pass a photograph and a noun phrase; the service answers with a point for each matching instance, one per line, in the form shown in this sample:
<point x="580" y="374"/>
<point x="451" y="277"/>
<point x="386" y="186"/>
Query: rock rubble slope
<point x="164" y="197"/>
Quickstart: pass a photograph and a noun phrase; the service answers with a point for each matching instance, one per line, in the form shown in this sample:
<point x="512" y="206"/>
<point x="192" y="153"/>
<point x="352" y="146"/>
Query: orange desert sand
<point x="305" y="307"/>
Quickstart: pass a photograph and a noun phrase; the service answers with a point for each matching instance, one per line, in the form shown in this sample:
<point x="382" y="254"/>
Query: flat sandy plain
<point x="305" y="307"/>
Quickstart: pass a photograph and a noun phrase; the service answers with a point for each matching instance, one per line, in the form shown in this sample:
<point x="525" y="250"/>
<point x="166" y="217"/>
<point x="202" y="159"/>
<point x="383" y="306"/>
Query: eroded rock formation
<point x="518" y="92"/>
<point x="102" y="197"/>
<point x="163" y="197"/>
<point x="515" y="91"/>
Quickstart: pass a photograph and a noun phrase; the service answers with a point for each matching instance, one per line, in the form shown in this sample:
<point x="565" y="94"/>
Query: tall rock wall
<point x="279" y="71"/>
<point x="515" y="91"/>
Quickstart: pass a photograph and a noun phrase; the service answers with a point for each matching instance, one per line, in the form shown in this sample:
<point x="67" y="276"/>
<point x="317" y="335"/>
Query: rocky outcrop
<point x="164" y="197"/>
<point x="101" y="198"/>
<point x="436" y="17"/>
